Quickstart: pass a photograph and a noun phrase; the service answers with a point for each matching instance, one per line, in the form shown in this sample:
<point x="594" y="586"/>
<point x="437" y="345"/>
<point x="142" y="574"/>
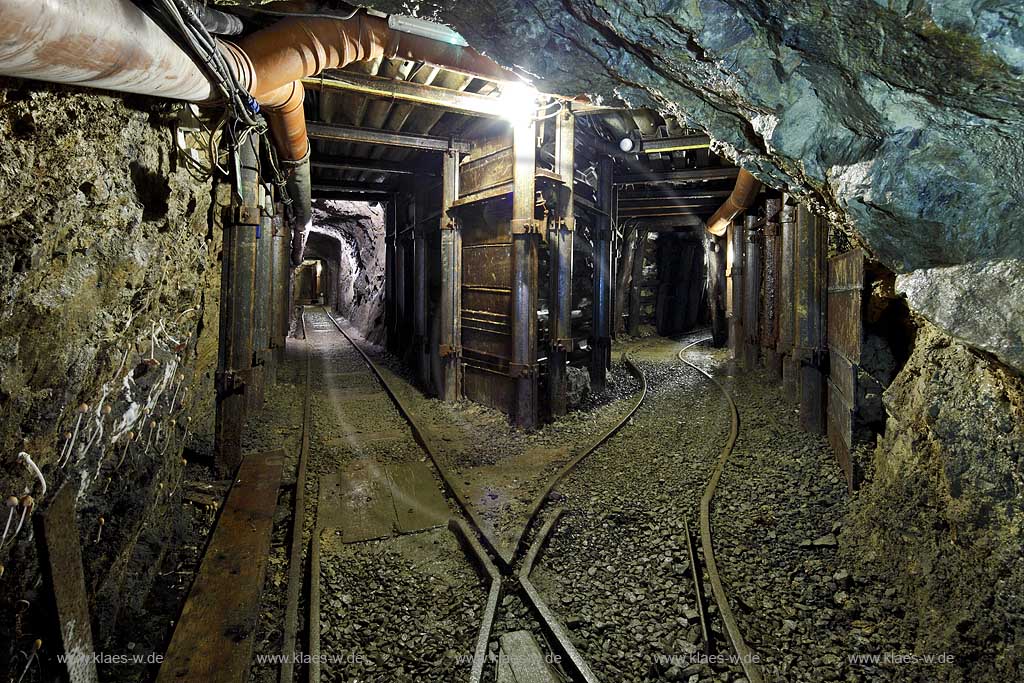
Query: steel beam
<point x="450" y="346"/>
<point x="234" y="363"/>
<point x="674" y="144"/>
<point x="770" y="289"/>
<point x="525" y="235"/>
<point x="601" y="351"/>
<point x="561" y="232"/>
<point x="342" y="195"/>
<point x="326" y="185"/>
<point x="406" y="91"/>
<point x="339" y="133"/>
<point x="692" y="175"/>
<point x="368" y="165"/>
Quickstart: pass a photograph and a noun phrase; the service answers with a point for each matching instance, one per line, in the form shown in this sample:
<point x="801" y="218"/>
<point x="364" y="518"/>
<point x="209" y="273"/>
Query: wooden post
<point x="787" y="299"/>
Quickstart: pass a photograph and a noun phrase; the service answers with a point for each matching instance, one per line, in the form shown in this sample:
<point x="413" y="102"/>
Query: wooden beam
<point x="371" y="136"/>
<point x="329" y="185"/>
<point x="407" y="91"/>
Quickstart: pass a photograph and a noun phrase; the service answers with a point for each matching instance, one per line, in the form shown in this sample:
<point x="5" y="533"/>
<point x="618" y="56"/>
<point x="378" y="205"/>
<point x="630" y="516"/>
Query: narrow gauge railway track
<point x="523" y="557"/>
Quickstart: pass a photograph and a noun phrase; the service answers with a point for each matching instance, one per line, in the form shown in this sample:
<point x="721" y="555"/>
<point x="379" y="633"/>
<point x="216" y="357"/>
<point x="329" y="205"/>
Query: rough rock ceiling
<point x="903" y="118"/>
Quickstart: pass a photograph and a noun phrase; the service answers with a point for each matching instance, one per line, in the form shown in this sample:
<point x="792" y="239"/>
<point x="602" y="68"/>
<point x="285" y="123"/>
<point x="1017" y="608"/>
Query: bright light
<point x="626" y="144"/>
<point x="519" y="102"/>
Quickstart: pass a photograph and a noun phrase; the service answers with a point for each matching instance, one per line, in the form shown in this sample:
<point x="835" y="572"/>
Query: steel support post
<point x="450" y="347"/>
<point x="787" y="309"/>
<point x="390" y="290"/>
<point x="601" y="352"/>
<point x="734" y="295"/>
<point x="770" y="290"/>
<point x="561" y="232"/>
<point x="636" y="279"/>
<point x="420" y="291"/>
<point x="525" y="234"/>
<point x="751" y="290"/>
<point x="238" y="270"/>
<point x="280" y="302"/>
<point x="261" y="302"/>
<point x="810" y="310"/>
<point x="401" y="285"/>
<point x="624" y="273"/>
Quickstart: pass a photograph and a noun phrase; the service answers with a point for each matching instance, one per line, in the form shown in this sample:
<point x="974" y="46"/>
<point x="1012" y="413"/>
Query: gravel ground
<point x="501" y="469"/>
<point x="778" y="509"/>
<point x="616" y="569"/>
<point x="404" y="608"/>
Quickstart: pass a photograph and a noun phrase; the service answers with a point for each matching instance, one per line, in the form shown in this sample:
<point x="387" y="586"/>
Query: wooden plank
<point x="61" y="560"/>
<point x="840" y="431"/>
<point x="213" y="639"/>
<point x="367" y="510"/>
<point x="418" y="501"/>
<point x="525" y="660"/>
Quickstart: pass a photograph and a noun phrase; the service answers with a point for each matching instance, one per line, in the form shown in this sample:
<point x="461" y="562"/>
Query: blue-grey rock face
<point x="902" y="119"/>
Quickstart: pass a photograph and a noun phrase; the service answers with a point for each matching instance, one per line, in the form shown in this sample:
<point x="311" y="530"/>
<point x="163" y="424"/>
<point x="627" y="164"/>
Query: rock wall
<point x="903" y="119"/>
<point x="109" y="281"/>
<point x="351" y="236"/>
<point x="941" y="518"/>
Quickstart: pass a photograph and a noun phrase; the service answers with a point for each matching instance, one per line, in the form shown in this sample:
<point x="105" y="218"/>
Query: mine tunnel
<point x="525" y="342"/>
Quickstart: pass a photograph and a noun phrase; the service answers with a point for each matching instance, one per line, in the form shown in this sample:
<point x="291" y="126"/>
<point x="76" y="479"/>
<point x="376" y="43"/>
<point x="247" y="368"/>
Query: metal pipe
<point x="741" y="198"/>
<point x="109" y="44"/>
<point x="114" y="45"/>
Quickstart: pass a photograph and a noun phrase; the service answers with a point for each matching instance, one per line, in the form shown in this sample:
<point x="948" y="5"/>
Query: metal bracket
<point x="561" y="344"/>
<point x="525" y="226"/>
<point x="448" y="351"/>
<point x="244" y="214"/>
<point x="522" y="370"/>
<point x="450" y="224"/>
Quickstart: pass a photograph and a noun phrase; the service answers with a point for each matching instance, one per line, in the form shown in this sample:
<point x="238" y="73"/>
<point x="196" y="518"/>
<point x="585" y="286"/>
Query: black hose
<point x="217" y="22"/>
<point x="300" y="190"/>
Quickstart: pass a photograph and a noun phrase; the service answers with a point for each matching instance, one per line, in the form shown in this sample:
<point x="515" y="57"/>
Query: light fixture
<point x="626" y="144"/>
<point x="518" y="102"/>
<point x="426" y="29"/>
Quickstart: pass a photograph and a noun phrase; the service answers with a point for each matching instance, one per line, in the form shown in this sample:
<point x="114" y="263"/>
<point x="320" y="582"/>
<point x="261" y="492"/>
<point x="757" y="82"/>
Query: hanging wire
<point x="242" y="113"/>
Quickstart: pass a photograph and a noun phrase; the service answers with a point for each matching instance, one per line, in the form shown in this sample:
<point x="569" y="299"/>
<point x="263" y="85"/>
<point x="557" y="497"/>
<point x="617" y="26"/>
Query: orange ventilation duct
<point x="296" y="48"/>
<point x="740" y="199"/>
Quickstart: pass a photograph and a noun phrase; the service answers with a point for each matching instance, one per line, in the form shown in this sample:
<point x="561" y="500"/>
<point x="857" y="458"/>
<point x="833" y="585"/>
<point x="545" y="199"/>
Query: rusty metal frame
<point x="561" y="234"/>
